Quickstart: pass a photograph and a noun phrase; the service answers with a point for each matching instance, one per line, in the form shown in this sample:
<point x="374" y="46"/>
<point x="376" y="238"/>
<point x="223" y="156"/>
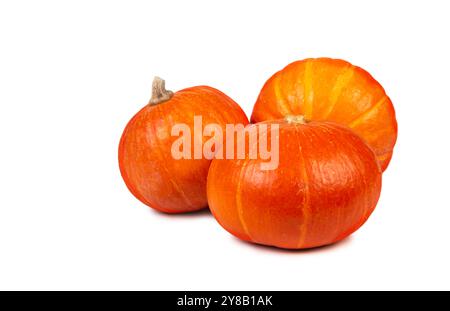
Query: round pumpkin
<point x="325" y="186"/>
<point x="145" y="151"/>
<point x="325" y="89"/>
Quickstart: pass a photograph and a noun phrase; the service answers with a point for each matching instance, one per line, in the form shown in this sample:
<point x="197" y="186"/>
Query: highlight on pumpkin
<point x="221" y="145"/>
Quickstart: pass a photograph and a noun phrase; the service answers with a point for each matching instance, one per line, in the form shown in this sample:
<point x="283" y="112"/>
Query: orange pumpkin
<point x="326" y="185"/>
<point x="325" y="89"/>
<point x="145" y="159"/>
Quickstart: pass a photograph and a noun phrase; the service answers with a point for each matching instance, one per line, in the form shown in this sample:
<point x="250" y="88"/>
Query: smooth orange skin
<point x="326" y="186"/>
<point x="145" y="160"/>
<point x="325" y="89"/>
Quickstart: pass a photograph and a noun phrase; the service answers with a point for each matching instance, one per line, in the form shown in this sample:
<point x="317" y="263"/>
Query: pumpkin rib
<point x="164" y="166"/>
<point x="365" y="188"/>
<point x="326" y="129"/>
<point x="342" y="81"/>
<point x="306" y="205"/>
<point x="124" y="172"/>
<point x="369" y="208"/>
<point x="325" y="126"/>
<point x="269" y="115"/>
<point x="308" y="90"/>
<point x="224" y="115"/>
<point x="239" y="207"/>
<point x="244" y="171"/>
<point x="281" y="102"/>
<point x="355" y="122"/>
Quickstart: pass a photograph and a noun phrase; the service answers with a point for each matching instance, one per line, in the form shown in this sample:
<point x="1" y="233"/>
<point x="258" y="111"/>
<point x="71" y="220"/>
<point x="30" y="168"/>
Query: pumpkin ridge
<point x="366" y="188"/>
<point x="360" y="118"/>
<point x="342" y="81"/>
<point x="281" y="101"/>
<point x="124" y="172"/>
<point x="242" y="173"/>
<point x="163" y="165"/>
<point x="306" y="210"/>
<point x="308" y="90"/>
<point x="335" y="143"/>
<point x="239" y="208"/>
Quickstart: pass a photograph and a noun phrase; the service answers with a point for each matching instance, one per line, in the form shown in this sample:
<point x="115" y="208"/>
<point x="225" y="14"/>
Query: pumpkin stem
<point x="159" y="92"/>
<point x="299" y="119"/>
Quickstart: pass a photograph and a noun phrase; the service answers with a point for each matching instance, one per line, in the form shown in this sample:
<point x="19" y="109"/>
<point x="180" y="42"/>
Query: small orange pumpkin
<point x="146" y="163"/>
<point x="325" y="89"/>
<point x="326" y="185"/>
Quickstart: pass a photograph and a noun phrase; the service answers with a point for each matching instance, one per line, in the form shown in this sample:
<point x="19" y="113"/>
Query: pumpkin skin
<point x="147" y="167"/>
<point x="325" y="89"/>
<point x="327" y="184"/>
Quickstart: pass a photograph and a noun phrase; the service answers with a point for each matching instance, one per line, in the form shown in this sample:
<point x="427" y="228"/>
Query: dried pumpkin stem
<point x="299" y="119"/>
<point x="159" y="92"/>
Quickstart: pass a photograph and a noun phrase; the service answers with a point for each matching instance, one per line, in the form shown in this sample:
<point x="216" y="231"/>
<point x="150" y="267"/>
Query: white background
<point x="72" y="73"/>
